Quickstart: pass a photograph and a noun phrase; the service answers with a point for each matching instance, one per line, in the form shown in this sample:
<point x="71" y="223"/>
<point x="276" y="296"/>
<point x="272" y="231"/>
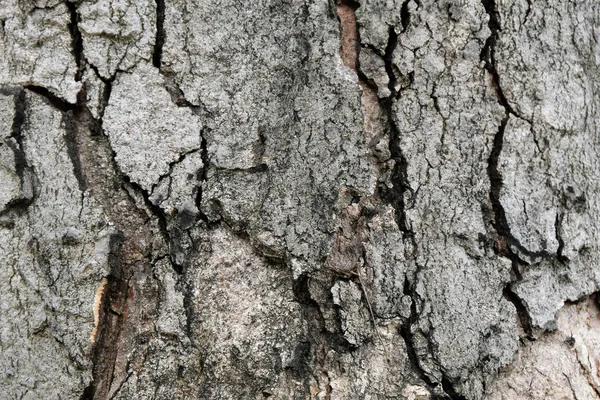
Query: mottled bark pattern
<point x="299" y="199"/>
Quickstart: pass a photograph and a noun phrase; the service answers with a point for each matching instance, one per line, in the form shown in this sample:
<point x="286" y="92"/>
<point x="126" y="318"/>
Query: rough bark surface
<point x="299" y="199"/>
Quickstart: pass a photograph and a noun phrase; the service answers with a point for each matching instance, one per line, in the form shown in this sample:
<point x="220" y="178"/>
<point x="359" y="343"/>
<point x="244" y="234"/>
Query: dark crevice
<point x="516" y="269"/>
<point x="131" y="248"/>
<point x="528" y="12"/>
<point x="254" y="169"/>
<point x="113" y="304"/>
<point x="318" y="332"/>
<point x="201" y="177"/>
<point x="19" y="117"/>
<point x="319" y="341"/>
<point x="411" y="351"/>
<point x="500" y="222"/>
<point x="160" y="34"/>
<point x="185" y="288"/>
<point x="169" y="233"/>
<point x="17" y="134"/>
<point x="395" y="195"/>
<point x="388" y="59"/>
<point x="507" y="243"/>
<point x="88" y="392"/>
<point x="522" y="313"/>
<point x="448" y="387"/>
<point x="405" y="15"/>
<point x="487" y="54"/>
<point x="561" y="243"/>
<point x="178" y="97"/>
<point x="72" y="150"/>
<point x="105" y="99"/>
<point x="22" y="168"/>
<point x="76" y="39"/>
<point x="172" y="165"/>
<point x="395" y="191"/>
<point x="54" y="100"/>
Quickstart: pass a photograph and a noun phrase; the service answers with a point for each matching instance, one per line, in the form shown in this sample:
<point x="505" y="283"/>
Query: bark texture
<point x="299" y="199"/>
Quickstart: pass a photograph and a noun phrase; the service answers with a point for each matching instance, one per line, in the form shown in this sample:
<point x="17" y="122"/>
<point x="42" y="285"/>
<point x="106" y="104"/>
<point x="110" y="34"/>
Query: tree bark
<point x="299" y="199"/>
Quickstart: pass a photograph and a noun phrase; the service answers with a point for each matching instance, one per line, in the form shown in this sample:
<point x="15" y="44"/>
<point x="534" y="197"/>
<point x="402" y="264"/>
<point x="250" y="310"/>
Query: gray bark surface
<point x="299" y="199"/>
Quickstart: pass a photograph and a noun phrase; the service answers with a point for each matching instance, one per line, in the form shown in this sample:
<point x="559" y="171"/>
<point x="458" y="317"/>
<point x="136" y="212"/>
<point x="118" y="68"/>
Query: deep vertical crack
<point x="112" y="312"/>
<point x="394" y="191"/>
<point x="22" y="168"/>
<point x="396" y="194"/>
<point x="130" y="246"/>
<point x="76" y="38"/>
<point x="159" y="40"/>
<point x="522" y="314"/>
<point x="201" y="178"/>
<point x="561" y="243"/>
<point x="16" y="133"/>
<point x="388" y="60"/>
<point x="404" y="15"/>
<point x="506" y="241"/>
<point x="499" y="222"/>
<point x="406" y="334"/>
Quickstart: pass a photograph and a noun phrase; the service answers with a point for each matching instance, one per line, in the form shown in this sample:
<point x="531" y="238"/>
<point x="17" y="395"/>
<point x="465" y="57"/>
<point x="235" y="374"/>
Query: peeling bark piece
<point x="146" y="130"/>
<point x="373" y="66"/>
<point x="355" y="316"/>
<point x="117" y="34"/>
<point x="526" y="192"/>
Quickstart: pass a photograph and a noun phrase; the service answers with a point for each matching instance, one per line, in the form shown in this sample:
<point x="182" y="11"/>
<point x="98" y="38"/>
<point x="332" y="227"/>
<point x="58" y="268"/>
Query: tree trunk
<point x="299" y="199"/>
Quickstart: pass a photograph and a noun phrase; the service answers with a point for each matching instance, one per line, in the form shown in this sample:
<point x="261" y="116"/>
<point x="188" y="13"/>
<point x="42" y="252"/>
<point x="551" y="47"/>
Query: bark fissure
<point x="110" y="326"/>
<point x="76" y="39"/>
<point x="507" y="245"/>
<point x="404" y="15"/>
<point x="160" y="34"/>
<point x="276" y="278"/>
<point x="321" y="339"/>
<point x="22" y="168"/>
<point x="396" y="194"/>
<point x="561" y="243"/>
<point x="201" y="178"/>
<point x="172" y="165"/>
<point x="160" y="217"/>
<point x="522" y="313"/>
<point x="506" y="241"/>
<point x="72" y="151"/>
<point x="406" y="333"/>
